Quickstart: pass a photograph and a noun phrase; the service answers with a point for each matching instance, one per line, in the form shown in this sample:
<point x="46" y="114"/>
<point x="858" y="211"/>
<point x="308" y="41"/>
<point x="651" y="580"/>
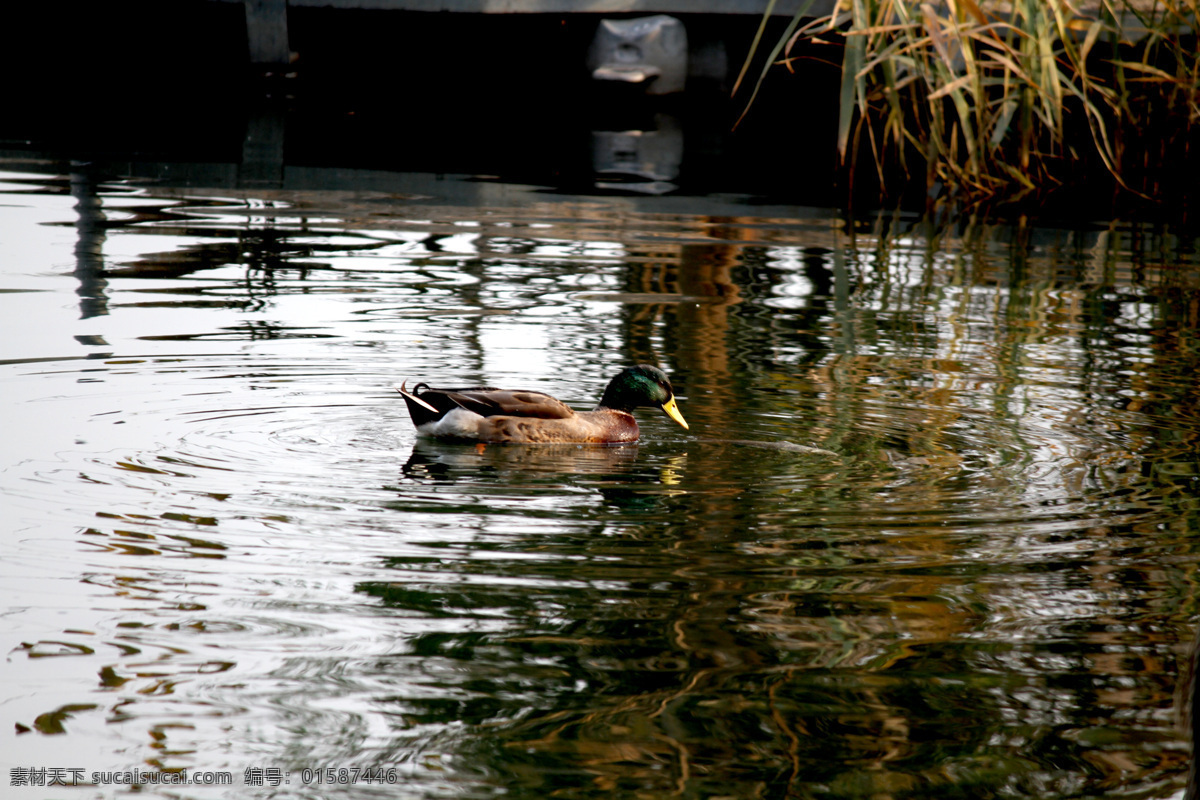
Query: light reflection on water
<point x="224" y="547"/>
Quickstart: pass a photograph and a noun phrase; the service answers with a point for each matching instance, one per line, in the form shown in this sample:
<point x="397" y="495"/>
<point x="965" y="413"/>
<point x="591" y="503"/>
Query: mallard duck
<point x="487" y="414"/>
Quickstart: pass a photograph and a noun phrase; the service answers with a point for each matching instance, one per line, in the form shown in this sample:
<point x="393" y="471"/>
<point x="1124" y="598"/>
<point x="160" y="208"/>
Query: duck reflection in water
<point x="438" y="461"/>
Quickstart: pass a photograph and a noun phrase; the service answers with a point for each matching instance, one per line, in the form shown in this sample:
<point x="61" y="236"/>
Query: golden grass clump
<point x="1004" y="98"/>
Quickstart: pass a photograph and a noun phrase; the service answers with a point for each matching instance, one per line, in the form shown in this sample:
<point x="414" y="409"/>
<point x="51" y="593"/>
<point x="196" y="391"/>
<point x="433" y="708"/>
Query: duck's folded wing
<point x="503" y="402"/>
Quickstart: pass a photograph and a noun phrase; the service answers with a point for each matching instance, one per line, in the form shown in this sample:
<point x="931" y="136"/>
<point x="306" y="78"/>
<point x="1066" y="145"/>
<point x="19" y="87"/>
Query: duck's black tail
<point x="420" y="411"/>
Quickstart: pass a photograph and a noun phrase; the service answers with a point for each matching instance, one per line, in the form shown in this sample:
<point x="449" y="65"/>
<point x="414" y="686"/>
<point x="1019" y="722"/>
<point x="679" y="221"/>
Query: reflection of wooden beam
<point x="705" y="272"/>
<point x="267" y="31"/>
<point x="262" y="149"/>
<point x="89" y="244"/>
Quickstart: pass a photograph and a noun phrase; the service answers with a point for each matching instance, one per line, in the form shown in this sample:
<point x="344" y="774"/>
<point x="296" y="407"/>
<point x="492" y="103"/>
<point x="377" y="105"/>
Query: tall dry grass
<point x="1002" y="98"/>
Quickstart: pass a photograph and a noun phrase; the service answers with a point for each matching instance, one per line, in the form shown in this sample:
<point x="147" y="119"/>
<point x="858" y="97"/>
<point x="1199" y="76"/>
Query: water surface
<point x="225" y="550"/>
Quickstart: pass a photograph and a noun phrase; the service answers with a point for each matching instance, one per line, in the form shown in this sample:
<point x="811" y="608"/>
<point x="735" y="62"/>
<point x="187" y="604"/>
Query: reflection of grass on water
<point x="1004" y="98"/>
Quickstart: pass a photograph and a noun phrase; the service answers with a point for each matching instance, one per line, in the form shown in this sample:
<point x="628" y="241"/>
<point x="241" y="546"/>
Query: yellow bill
<point x="673" y="412"/>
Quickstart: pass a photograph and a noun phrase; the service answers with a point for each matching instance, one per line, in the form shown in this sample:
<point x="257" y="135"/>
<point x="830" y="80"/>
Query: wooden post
<point x="267" y="31"/>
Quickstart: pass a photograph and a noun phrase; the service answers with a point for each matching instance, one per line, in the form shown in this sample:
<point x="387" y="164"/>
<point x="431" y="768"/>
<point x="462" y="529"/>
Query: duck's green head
<point x="643" y="385"/>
